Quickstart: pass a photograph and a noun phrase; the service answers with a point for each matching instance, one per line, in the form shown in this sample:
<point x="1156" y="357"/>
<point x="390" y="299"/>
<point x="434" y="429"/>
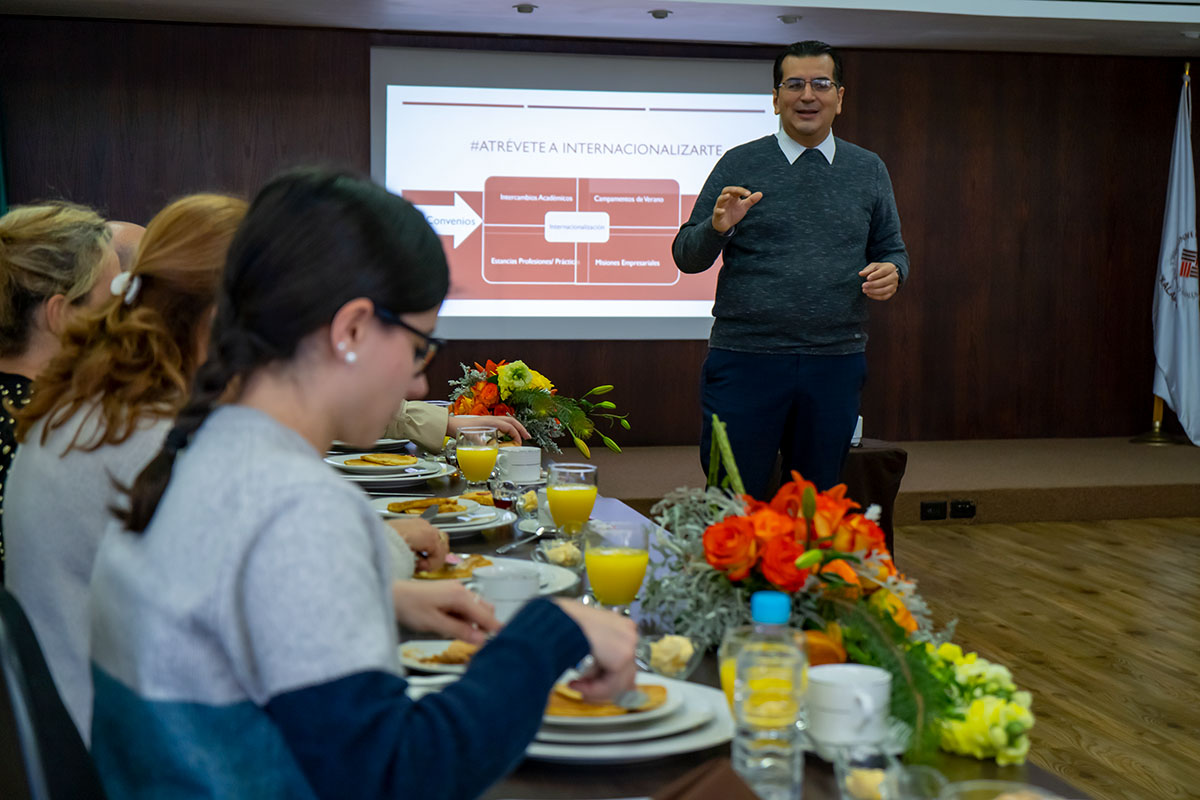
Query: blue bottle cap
<point x="770" y="608"/>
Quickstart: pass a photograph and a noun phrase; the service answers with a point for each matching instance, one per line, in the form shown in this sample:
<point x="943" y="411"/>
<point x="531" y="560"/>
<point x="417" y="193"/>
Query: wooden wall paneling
<point x="127" y="115"/>
<point x="1030" y="187"/>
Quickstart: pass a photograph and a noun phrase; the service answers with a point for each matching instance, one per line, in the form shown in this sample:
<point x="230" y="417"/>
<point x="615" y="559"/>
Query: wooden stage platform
<point x="1015" y="480"/>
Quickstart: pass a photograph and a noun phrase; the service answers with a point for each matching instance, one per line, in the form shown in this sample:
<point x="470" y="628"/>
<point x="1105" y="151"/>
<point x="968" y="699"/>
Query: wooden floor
<point x="1101" y="621"/>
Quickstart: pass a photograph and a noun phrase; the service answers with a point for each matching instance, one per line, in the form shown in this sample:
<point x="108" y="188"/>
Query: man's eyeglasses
<point x="797" y="84"/>
<point x="429" y="347"/>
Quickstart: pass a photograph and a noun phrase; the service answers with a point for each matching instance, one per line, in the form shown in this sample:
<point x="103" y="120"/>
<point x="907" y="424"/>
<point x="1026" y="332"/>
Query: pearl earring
<point x="348" y="357"/>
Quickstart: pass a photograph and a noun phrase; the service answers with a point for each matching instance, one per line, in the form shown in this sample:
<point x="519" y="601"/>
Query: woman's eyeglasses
<point x="429" y="345"/>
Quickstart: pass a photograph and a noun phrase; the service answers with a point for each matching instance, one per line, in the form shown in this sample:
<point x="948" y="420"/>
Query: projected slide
<point x="557" y="203"/>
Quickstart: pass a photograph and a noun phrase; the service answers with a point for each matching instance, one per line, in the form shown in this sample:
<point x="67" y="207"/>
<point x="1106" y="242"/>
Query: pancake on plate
<point x="388" y="459"/>
<point x="462" y="568"/>
<point x="458" y="652"/>
<point x="445" y="505"/>
<point x="483" y="497"/>
<point x="566" y="702"/>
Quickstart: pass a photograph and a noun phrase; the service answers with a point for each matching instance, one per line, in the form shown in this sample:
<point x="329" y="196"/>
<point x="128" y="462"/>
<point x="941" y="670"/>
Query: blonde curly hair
<point x="45" y="249"/>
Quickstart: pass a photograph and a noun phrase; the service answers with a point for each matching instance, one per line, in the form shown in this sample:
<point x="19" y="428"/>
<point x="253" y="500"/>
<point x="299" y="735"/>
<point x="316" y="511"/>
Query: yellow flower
<point x="512" y="377"/>
<point x="540" y="381"/>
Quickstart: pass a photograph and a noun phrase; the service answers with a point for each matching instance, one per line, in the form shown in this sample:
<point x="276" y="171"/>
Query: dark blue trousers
<point x="803" y="407"/>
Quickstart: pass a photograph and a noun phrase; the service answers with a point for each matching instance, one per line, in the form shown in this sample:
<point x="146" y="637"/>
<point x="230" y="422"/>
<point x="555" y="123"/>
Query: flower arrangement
<point x="720" y="546"/>
<point x="516" y="390"/>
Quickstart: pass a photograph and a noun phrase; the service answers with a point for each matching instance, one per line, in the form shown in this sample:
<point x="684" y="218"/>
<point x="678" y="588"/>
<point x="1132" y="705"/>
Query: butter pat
<point x="865" y="784"/>
<point x="670" y="654"/>
<point x="529" y="502"/>
<point x="565" y="554"/>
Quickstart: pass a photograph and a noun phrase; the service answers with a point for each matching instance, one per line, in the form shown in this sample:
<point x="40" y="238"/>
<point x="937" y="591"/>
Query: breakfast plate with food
<point x="382" y="464"/>
<point x="458" y="567"/>
<point x="407" y="506"/>
<point x="461" y="567"/>
<point x="697" y="718"/>
<point x="566" y="708"/>
<point x="437" y="655"/>
<point x="376" y="482"/>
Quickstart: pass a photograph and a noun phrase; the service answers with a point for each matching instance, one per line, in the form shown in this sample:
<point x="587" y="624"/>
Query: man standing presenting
<point x="809" y="231"/>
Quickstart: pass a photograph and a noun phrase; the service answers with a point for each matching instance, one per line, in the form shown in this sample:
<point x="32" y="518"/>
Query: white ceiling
<point x="1111" y="27"/>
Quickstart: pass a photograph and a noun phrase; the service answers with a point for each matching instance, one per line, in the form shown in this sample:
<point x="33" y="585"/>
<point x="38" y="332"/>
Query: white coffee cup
<point x="847" y="703"/>
<point x="520" y="464"/>
<point x="507" y="587"/>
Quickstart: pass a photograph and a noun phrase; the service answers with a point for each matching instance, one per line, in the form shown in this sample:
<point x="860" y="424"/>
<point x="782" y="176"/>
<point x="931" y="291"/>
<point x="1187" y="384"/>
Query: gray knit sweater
<point x="790" y="280"/>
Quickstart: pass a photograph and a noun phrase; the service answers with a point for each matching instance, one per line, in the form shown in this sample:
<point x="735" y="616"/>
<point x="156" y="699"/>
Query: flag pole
<point x="1155" y="435"/>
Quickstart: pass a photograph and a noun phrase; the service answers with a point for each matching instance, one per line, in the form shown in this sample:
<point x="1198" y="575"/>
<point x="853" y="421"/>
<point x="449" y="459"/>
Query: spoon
<point x="508" y="548"/>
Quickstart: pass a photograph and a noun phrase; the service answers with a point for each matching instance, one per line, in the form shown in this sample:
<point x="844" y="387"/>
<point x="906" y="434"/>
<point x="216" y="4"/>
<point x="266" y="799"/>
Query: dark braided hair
<point x="312" y="241"/>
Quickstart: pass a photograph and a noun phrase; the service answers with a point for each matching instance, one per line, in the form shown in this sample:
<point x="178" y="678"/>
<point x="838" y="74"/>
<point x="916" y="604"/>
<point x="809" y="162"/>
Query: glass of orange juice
<point x="615" y="556"/>
<point x="571" y="493"/>
<point x="476" y="452"/>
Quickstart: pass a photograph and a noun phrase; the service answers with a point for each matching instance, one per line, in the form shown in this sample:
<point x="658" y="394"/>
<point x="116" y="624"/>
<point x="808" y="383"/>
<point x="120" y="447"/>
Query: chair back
<point x="42" y="756"/>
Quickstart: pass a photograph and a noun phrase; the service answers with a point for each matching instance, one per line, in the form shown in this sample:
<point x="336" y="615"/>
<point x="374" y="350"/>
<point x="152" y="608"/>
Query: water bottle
<point x="768" y="702"/>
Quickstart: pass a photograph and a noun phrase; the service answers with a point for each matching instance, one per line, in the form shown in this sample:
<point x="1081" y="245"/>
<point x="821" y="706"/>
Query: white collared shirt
<point x="793" y="149"/>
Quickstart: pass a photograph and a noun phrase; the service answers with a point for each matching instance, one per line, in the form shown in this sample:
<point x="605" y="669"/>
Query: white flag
<point x="1177" y="293"/>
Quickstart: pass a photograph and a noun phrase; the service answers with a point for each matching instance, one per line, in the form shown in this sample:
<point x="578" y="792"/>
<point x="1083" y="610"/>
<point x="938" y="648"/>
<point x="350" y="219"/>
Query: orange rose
<point x="490" y="394"/>
<point x="843" y="570"/>
<point x="730" y="546"/>
<point x="479" y="410"/>
<point x="463" y="405"/>
<point x="856" y="532"/>
<point x="789" y="499"/>
<point x="779" y="563"/>
<point x="768" y="524"/>
<point x="501" y="410"/>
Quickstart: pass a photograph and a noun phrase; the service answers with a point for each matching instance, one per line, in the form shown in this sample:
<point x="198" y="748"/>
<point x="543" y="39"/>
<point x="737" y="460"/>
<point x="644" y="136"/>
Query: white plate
<point x="380" y="504"/>
<point x="399" y="480"/>
<point x="673" y="703"/>
<point x="418" y="467"/>
<point x="481" y="515"/>
<point x="898" y="734"/>
<point x="718" y="731"/>
<point x="412" y="652"/>
<point x="669" y="726"/>
<point x="551" y="577"/>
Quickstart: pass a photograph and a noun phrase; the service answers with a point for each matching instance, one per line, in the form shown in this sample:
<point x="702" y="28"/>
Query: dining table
<point x="537" y="780"/>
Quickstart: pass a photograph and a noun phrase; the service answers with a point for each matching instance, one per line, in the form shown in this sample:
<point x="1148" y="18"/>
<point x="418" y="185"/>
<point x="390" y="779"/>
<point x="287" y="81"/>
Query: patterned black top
<point x="14" y="390"/>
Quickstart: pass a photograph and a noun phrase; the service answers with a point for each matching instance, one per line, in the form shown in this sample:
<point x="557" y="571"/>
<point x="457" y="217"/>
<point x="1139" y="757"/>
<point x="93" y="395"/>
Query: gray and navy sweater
<point x="790" y="282"/>
<point x="244" y="647"/>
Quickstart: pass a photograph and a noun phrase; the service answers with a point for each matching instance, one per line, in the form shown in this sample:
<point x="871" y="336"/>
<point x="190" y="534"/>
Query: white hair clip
<point x="126" y="284"/>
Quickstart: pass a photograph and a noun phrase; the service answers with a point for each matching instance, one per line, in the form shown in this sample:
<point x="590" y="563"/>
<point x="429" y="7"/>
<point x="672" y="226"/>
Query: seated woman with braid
<point x="98" y="414"/>
<point x="244" y="638"/>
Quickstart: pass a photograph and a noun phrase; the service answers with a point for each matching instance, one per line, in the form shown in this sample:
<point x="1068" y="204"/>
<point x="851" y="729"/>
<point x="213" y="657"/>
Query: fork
<point x="630" y="699"/>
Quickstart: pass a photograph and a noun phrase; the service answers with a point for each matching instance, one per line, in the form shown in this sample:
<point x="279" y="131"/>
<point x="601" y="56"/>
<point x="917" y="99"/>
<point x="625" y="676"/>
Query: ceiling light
<point x="524" y="8"/>
<point x="790" y="19"/>
<point x="659" y="13"/>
